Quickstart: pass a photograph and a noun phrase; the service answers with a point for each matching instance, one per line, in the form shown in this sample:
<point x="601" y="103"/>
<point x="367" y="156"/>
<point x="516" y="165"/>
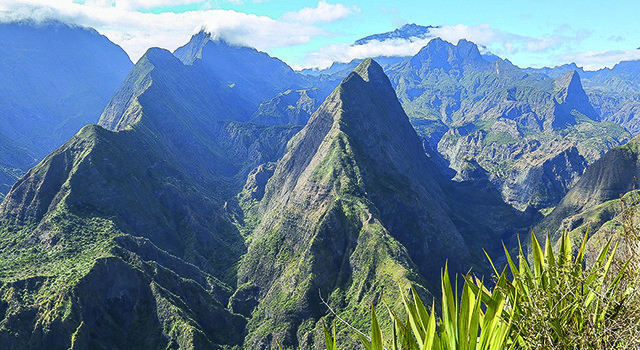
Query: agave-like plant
<point x="474" y="322"/>
<point x="557" y="304"/>
<point x="560" y="303"/>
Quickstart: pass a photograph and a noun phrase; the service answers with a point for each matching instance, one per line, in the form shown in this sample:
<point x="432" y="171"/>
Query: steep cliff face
<point x="571" y="102"/>
<point x="545" y="182"/>
<point x="527" y="173"/>
<point x="541" y="181"/>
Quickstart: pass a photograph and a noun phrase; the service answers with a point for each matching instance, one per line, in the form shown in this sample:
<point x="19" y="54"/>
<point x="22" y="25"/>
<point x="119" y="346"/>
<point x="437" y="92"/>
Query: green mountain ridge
<point x="613" y="92"/>
<point x="175" y="230"/>
<point x="153" y="201"/>
<point x="329" y="218"/>
<point x="489" y="119"/>
<point x="496" y="115"/>
<point x="64" y="229"/>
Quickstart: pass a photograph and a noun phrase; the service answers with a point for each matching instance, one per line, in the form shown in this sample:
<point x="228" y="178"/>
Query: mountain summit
<point x="125" y="235"/>
<point x="330" y="216"/>
<point x="571" y="101"/>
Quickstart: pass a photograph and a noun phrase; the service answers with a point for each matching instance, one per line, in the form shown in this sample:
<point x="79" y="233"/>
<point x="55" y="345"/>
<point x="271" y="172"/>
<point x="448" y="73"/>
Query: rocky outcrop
<point x="257" y="181"/>
<point x="544" y="183"/>
<point x="571" y="102"/>
<point x="537" y="174"/>
<point x="290" y="107"/>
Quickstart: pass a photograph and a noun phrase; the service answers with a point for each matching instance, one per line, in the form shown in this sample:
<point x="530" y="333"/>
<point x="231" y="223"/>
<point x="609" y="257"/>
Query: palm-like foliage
<point x="474" y="322"/>
<point x="551" y="302"/>
<point x="558" y="303"/>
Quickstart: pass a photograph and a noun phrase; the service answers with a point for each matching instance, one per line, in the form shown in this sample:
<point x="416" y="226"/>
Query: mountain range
<point x="488" y="119"/>
<point x="224" y="200"/>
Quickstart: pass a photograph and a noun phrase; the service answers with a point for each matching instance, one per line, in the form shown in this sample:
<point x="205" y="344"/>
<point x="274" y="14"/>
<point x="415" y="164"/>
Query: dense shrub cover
<point x="551" y="301"/>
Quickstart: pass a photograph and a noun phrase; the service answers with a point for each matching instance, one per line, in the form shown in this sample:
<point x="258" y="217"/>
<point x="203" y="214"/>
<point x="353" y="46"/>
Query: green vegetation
<point x="552" y="301"/>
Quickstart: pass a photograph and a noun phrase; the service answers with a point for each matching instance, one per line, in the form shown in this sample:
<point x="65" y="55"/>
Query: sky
<point x="304" y="33"/>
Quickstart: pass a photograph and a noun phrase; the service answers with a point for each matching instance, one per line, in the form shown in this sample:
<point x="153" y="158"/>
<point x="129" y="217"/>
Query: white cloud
<point x="325" y="12"/>
<point x="594" y="60"/>
<point x="480" y="34"/>
<point x="148" y="4"/>
<point x="258" y="31"/>
<point x="496" y="41"/>
<point x="136" y="31"/>
<point x="347" y="52"/>
<point x="502" y="42"/>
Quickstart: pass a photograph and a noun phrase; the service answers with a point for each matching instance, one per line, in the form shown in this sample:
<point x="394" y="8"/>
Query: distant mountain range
<point x="489" y="119"/>
<point x="407" y="32"/>
<point x="614" y="93"/>
<point x="223" y="198"/>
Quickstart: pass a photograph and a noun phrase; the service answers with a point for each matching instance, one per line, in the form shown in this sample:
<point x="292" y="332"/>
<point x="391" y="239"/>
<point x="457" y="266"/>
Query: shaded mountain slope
<point x="153" y="200"/>
<point x="195" y="116"/>
<point x="56" y="78"/>
<point x="69" y="245"/>
<point x="253" y="75"/>
<point x="292" y="107"/>
<point x="145" y="193"/>
<point x="607" y="179"/>
<point x="15" y="159"/>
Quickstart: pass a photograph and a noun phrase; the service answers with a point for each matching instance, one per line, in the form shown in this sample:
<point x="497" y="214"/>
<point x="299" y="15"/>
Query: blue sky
<point x="314" y="33"/>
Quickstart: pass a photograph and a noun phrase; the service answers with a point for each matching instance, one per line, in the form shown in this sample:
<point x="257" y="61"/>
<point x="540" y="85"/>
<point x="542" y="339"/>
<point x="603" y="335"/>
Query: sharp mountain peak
<point x="368" y="68"/>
